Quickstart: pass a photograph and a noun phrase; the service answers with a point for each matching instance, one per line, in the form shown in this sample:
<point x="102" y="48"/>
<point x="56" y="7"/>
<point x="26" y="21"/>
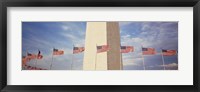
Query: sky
<point x="158" y="35"/>
<point x="45" y="36"/>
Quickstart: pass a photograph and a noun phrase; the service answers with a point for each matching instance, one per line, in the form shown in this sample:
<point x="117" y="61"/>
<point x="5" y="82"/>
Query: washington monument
<point x="102" y="33"/>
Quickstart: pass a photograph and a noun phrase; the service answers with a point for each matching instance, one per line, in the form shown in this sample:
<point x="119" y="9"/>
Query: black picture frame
<point x="99" y="3"/>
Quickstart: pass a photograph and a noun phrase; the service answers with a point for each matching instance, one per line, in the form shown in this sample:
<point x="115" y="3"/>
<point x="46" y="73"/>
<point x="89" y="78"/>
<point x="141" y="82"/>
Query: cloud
<point x="76" y="40"/>
<point x="64" y="27"/>
<point x="159" y="34"/>
<point x="149" y="34"/>
<point x="130" y="62"/>
<point x="69" y="36"/>
<point x="33" y="45"/>
<point x="171" y="65"/>
<point x="45" y="36"/>
<point x="76" y="35"/>
<point x="146" y="26"/>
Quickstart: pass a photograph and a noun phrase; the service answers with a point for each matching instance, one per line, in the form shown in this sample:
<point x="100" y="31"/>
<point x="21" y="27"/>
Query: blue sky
<point x="158" y="35"/>
<point x="45" y="36"/>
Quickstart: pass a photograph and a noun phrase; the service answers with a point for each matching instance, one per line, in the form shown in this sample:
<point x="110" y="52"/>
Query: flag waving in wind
<point x="148" y="51"/>
<point x="102" y="48"/>
<point x="31" y="56"/>
<point x="24" y="60"/>
<point x="77" y="50"/>
<point x="127" y="49"/>
<point x="168" y="52"/>
<point x="39" y="56"/>
<point x="57" y="52"/>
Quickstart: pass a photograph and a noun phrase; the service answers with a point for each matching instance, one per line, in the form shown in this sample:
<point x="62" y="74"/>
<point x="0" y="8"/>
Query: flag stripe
<point x="169" y="52"/>
<point x="102" y="48"/>
<point x="148" y="51"/>
<point x="77" y="50"/>
<point x="57" y="52"/>
<point x="127" y="49"/>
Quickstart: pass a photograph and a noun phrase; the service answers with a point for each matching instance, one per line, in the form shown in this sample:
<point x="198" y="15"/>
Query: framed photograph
<point x="125" y="45"/>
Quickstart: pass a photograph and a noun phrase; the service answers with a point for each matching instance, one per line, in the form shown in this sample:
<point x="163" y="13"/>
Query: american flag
<point x="39" y="56"/>
<point x="31" y="56"/>
<point x="102" y="48"/>
<point x="148" y="51"/>
<point x="24" y="60"/>
<point x="27" y="67"/>
<point x="168" y="52"/>
<point x="77" y="50"/>
<point x="127" y="49"/>
<point x="57" y="52"/>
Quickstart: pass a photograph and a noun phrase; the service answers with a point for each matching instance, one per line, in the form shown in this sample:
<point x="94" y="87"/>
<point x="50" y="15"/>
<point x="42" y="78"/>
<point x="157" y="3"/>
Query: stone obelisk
<point x="102" y="33"/>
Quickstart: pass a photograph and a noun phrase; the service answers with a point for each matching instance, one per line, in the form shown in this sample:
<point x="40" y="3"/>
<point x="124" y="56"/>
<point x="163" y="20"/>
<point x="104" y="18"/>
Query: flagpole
<point x="177" y="55"/>
<point x="35" y="63"/>
<point x="36" y="60"/>
<point x="96" y="58"/>
<point x="51" y="61"/>
<point x="27" y="60"/>
<point x="72" y="62"/>
<point x="121" y="63"/>
<point x="120" y="58"/>
<point x="163" y="60"/>
<point x="143" y="60"/>
<point x="72" y="58"/>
